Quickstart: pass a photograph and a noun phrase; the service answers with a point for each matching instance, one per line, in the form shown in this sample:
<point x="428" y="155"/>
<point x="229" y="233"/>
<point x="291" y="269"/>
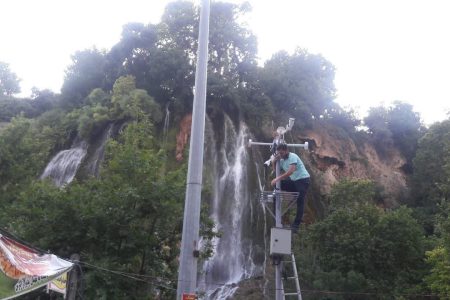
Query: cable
<point x="363" y="293"/>
<point x="140" y="276"/>
<point x="127" y="275"/>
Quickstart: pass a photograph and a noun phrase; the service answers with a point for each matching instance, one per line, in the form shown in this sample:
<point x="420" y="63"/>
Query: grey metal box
<point x="280" y="241"/>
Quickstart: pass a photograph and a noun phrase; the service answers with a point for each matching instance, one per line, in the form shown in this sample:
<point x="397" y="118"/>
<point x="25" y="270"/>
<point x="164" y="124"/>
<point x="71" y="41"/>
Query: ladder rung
<point x="291" y="294"/>
<point x="292" y="277"/>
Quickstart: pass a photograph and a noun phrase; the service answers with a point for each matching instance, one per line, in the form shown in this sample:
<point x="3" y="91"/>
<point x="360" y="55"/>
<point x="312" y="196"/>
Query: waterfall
<point x="166" y="125"/>
<point x="63" y="167"/>
<point x="93" y="166"/>
<point x="233" y="175"/>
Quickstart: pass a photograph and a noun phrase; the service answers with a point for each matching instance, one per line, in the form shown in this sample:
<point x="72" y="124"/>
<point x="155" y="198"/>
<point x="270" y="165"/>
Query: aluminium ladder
<point x="297" y="293"/>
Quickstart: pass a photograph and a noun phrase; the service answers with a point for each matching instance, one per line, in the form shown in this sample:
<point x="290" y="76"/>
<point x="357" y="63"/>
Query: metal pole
<point x="187" y="276"/>
<point x="278" y="267"/>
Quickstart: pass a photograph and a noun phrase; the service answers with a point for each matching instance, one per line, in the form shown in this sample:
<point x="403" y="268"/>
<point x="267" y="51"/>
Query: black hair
<point x="282" y="146"/>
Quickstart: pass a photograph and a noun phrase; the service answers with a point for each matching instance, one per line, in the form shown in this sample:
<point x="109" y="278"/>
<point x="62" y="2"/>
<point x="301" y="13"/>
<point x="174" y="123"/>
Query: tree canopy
<point x="129" y="217"/>
<point x="9" y="82"/>
<point x="397" y="124"/>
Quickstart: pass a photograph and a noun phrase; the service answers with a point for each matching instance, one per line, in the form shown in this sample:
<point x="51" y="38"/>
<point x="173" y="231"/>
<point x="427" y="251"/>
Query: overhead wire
<point x="143" y="277"/>
<point x="136" y="277"/>
<point x="127" y="275"/>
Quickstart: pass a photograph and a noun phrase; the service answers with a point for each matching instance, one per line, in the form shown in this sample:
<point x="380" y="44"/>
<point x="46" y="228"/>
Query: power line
<point x="127" y="275"/>
<point x="364" y="293"/>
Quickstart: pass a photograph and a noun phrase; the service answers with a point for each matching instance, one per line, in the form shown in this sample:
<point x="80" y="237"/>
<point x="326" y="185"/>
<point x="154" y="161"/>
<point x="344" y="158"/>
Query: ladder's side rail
<point x="297" y="283"/>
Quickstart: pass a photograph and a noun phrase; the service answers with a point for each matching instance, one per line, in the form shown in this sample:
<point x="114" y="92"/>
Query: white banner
<point x="25" y="269"/>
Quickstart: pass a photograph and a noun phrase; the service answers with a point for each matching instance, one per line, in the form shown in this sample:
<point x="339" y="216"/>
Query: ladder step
<point x="292" y="277"/>
<point x="291" y="294"/>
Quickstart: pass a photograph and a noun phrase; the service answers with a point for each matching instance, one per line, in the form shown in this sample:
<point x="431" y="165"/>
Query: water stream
<point x="96" y="159"/>
<point x="166" y="125"/>
<point x="233" y="175"/>
<point x="64" y="165"/>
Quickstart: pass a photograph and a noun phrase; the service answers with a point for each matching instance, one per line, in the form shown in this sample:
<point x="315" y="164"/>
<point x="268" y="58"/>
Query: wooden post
<point x="73" y="278"/>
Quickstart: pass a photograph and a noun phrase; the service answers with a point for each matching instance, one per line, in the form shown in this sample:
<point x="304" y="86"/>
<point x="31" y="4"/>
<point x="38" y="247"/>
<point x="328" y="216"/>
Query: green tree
<point x="300" y="85"/>
<point x="128" y="220"/>
<point x="396" y="125"/>
<point x="432" y="166"/>
<point x="43" y="100"/>
<point x="86" y="72"/>
<point x="9" y="82"/>
<point x="129" y="102"/>
<point x="360" y="248"/>
<point x="377" y="122"/>
<point x="439" y="258"/>
<point x="351" y="193"/>
<point x="162" y="57"/>
<point x="22" y="155"/>
<point x="11" y="107"/>
<point x="406" y="128"/>
<point x="27" y="144"/>
<point x="439" y="277"/>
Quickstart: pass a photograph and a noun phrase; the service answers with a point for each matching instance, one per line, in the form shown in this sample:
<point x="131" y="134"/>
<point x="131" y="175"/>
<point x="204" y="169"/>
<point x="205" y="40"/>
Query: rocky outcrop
<point x="334" y="155"/>
<point x="183" y="136"/>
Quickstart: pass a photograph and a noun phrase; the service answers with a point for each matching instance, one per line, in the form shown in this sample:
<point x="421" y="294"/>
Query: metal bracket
<point x="288" y="199"/>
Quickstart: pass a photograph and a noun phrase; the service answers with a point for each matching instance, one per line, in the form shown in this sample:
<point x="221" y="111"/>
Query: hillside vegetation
<point x="361" y="237"/>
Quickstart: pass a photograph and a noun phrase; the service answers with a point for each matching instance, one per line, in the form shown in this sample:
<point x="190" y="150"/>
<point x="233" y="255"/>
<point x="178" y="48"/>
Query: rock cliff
<point x="333" y="156"/>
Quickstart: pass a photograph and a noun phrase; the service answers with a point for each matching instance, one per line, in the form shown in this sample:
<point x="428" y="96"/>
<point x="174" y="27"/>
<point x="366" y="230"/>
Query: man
<point x="294" y="179"/>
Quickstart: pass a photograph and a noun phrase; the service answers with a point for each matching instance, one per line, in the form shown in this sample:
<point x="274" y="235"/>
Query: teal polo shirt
<point x="293" y="159"/>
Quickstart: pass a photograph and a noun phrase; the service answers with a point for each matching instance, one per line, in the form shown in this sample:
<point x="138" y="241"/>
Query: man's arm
<point x="285" y="175"/>
<point x="275" y="158"/>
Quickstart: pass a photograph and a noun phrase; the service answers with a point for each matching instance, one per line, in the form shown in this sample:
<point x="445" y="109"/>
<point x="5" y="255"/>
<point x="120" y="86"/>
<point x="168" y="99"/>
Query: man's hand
<point x="273" y="182"/>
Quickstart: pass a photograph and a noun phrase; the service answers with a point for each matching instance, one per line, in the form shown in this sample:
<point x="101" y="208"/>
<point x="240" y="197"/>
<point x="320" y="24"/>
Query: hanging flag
<point x="24" y="269"/>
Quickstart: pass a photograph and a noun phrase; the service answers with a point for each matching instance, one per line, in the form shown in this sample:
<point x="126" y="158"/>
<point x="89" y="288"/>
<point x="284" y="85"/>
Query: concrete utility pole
<point x="187" y="276"/>
<point x="279" y="138"/>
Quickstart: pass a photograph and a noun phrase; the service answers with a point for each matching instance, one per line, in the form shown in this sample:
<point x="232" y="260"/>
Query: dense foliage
<point x="359" y="248"/>
<point x="128" y="218"/>
<point x="398" y="125"/>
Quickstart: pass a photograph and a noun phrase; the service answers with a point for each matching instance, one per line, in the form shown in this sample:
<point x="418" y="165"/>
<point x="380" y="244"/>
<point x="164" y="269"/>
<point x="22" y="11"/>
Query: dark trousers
<point x="301" y="187"/>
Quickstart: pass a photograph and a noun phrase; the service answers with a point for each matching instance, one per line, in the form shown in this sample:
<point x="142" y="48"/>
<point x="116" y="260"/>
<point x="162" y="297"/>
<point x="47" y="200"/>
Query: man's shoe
<point x="294" y="228"/>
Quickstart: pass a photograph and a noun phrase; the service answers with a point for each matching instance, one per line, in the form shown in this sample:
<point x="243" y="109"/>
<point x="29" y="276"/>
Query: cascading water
<point x="93" y="166"/>
<point x="63" y="167"/>
<point x="166" y="125"/>
<point x="233" y="176"/>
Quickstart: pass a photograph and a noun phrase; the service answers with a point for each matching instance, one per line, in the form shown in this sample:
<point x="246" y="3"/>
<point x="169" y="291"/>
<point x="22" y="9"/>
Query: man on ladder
<point x="295" y="182"/>
<point x="294" y="179"/>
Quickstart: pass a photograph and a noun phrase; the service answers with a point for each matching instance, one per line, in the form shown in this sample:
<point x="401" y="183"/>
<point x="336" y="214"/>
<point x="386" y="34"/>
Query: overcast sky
<point x="383" y="50"/>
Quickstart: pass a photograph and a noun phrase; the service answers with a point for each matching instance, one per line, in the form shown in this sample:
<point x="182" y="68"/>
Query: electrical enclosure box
<point x="280" y="241"/>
